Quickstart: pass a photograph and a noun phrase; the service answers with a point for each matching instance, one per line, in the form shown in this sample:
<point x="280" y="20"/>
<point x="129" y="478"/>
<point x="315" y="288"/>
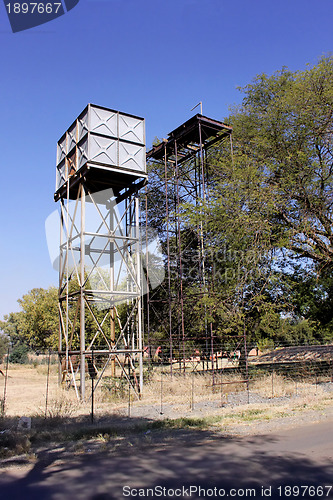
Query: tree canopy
<point x="36" y="324"/>
<point x="283" y="133"/>
<point x="268" y="215"/>
<point x="267" y="225"/>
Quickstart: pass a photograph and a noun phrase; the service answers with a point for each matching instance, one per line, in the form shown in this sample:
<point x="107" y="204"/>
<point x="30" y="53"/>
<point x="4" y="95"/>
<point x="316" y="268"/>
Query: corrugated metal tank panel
<point x="104" y="137"/>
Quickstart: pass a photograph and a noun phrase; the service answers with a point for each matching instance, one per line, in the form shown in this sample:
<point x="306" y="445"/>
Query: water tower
<point x="101" y="166"/>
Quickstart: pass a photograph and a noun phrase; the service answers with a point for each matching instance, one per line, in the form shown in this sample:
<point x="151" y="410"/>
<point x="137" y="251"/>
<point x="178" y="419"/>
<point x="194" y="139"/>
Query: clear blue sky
<point x="153" y="58"/>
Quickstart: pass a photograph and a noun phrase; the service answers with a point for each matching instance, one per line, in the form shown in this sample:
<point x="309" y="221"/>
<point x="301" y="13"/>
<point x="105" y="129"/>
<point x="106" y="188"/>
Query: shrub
<point x="19" y="354"/>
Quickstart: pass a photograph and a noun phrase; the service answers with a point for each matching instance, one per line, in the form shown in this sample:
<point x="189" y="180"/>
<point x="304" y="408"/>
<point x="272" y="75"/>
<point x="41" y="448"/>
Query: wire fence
<point x="192" y="383"/>
<point x="282" y="373"/>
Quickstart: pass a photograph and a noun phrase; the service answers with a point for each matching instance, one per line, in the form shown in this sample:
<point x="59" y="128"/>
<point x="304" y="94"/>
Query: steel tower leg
<point x="82" y="295"/>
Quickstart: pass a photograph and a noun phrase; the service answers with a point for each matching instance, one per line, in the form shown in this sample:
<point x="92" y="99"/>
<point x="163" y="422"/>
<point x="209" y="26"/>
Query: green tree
<point x="284" y="130"/>
<point x="269" y="211"/>
<point x="36" y="325"/>
<point x="11" y="330"/>
<point x="4" y="343"/>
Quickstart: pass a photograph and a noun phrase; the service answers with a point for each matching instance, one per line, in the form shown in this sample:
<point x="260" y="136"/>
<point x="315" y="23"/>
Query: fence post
<point x="47" y="383"/>
<point x="5" y="387"/>
<point x="248" y="389"/>
<point x="129" y="398"/>
<point x="92" y="386"/>
<point x="222" y="389"/>
<point x="161" y="407"/>
<point x="272" y="384"/>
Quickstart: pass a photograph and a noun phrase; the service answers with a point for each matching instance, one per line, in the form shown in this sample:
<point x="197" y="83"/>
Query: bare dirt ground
<point x="277" y="447"/>
<point x="34" y="391"/>
<point x="290" y="463"/>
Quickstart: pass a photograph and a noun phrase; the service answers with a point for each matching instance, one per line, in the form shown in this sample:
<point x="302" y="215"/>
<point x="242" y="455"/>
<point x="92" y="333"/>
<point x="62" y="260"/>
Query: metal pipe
<point x="147" y="280"/>
<point x="59" y="294"/>
<point x="139" y="316"/>
<point x="112" y="308"/>
<point x="168" y="256"/>
<point x="82" y="296"/>
<point x="67" y="269"/>
<point x="180" y="262"/>
<point x="203" y="194"/>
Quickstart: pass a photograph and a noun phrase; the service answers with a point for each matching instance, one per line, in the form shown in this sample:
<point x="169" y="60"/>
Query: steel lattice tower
<point x="100" y="168"/>
<point x="183" y="164"/>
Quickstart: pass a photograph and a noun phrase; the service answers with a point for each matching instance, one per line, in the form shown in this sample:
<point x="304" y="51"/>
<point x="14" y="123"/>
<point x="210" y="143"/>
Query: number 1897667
<point x="33" y="8"/>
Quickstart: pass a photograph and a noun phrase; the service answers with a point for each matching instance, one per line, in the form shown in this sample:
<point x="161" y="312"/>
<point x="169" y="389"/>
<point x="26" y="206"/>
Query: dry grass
<point x="62" y="405"/>
<point x="26" y="389"/>
<point x="177" y="388"/>
<point x="190" y="389"/>
<point x="278" y="386"/>
<point x="67" y="419"/>
<point x="27" y="385"/>
<point x="26" y="393"/>
<point x="273" y="386"/>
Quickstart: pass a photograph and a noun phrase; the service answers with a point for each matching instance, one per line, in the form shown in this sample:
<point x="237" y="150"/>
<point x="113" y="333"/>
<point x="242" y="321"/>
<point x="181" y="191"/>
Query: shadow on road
<point x="172" y="463"/>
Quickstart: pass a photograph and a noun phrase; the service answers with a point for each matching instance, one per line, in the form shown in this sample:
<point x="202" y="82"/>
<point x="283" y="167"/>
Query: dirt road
<point x="183" y="464"/>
